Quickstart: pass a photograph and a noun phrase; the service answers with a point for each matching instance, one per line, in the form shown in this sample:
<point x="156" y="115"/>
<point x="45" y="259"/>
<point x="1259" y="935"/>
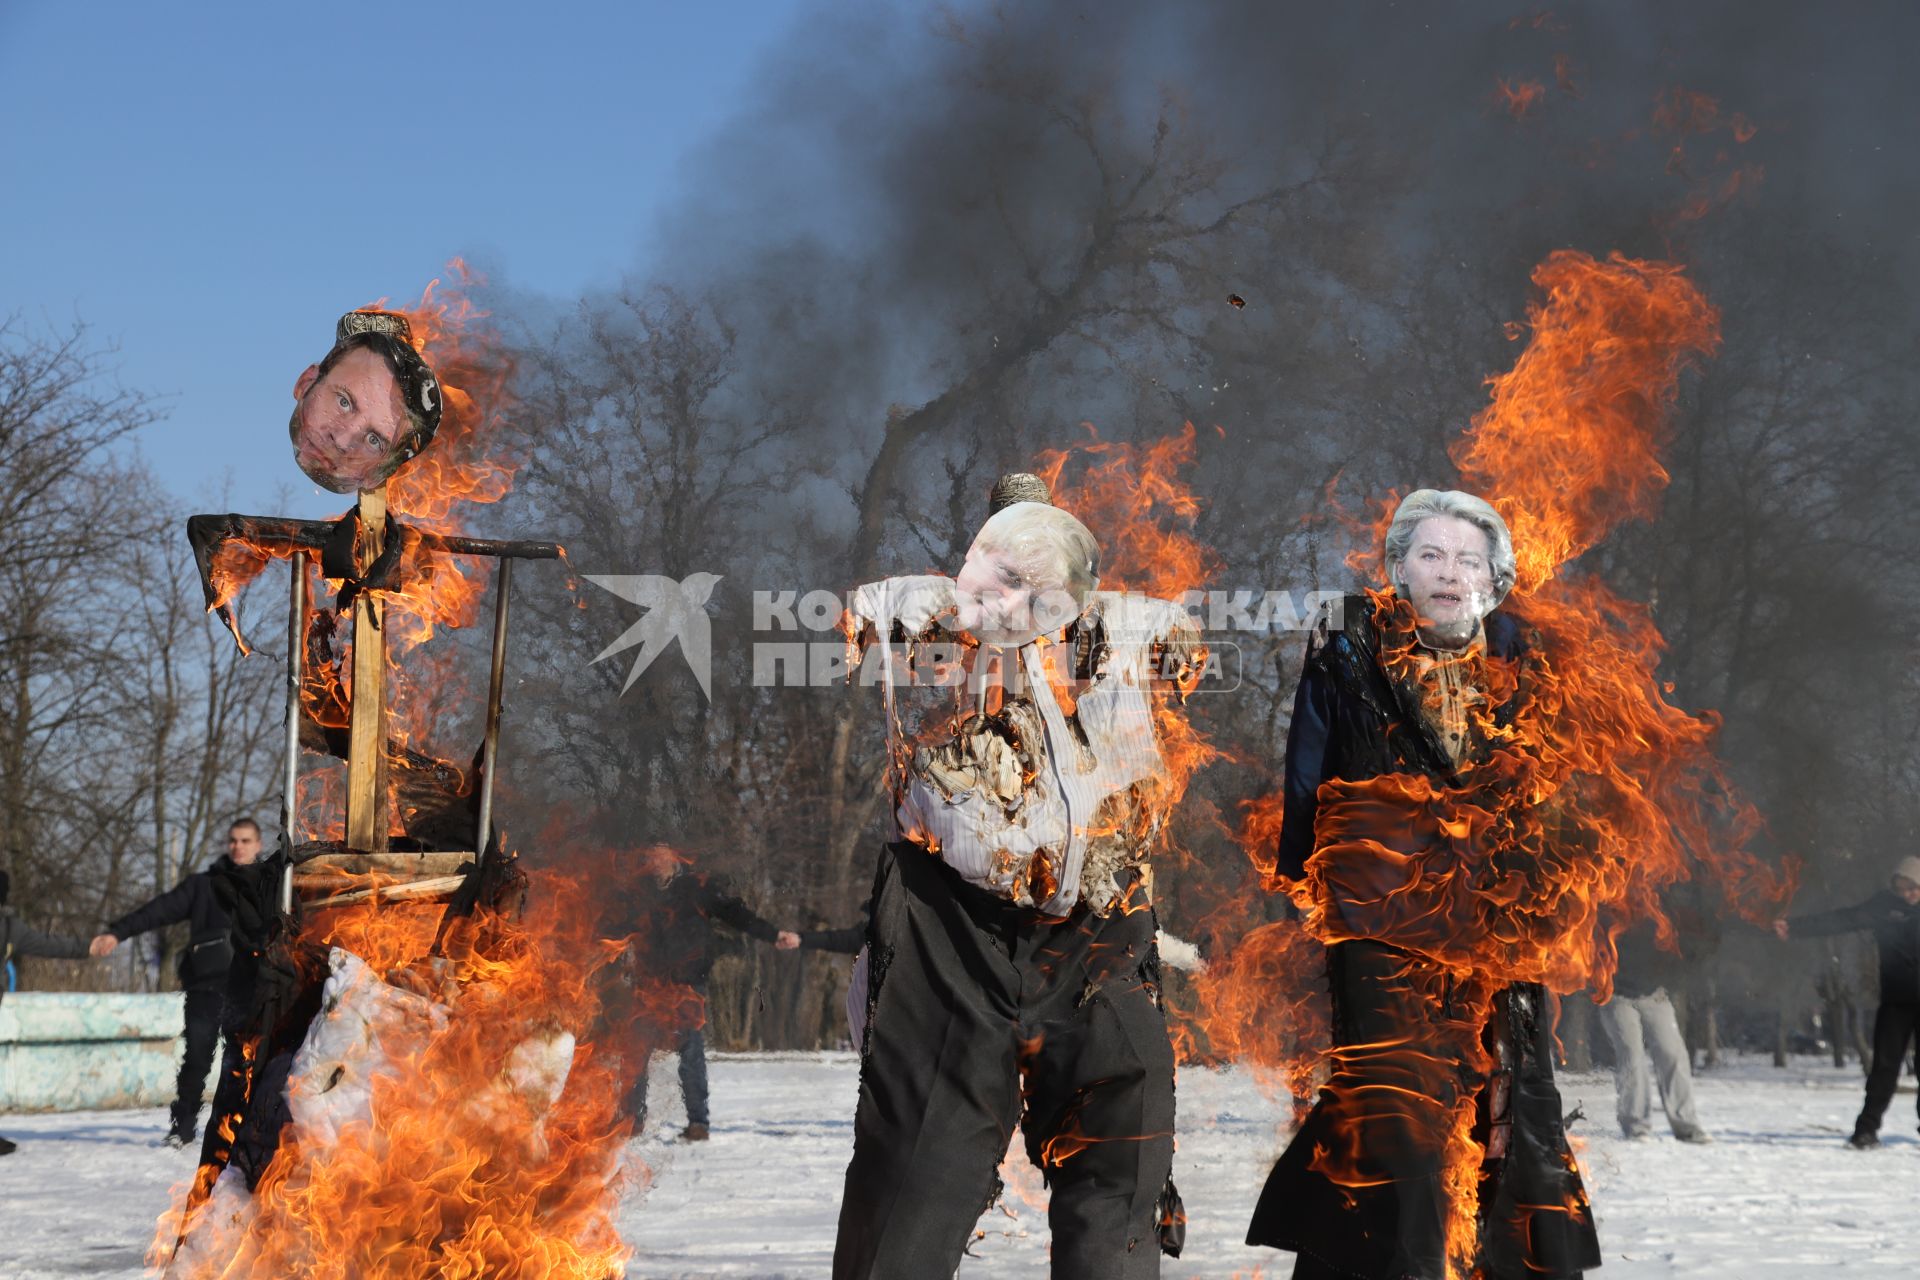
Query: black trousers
<point x="203" y="1034"/>
<point x="1894" y="1024"/>
<point x="969" y="996"/>
<point x="1360" y="1191"/>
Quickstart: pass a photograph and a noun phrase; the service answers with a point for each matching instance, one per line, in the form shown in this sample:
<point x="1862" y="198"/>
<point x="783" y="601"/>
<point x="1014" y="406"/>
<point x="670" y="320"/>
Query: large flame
<point x="1142" y="512"/>
<point x="474" y="1159"/>
<point x="465" y="1170"/>
<point x="1600" y="793"/>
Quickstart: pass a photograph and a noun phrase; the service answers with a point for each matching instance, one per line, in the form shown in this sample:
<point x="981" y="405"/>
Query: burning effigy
<point x="405" y="1090"/>
<point x="1011" y="974"/>
<point x="1485" y="786"/>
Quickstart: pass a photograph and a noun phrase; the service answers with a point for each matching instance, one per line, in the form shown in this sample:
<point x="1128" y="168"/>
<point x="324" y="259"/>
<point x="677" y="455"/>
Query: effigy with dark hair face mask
<point x="401" y="1018"/>
<point x="368" y="407"/>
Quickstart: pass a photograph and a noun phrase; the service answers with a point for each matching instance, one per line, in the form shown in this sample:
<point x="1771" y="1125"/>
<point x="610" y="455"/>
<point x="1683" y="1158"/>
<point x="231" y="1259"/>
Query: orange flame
<point x="1599" y="793"/>
<point x="1518" y="97"/>
<point x="1683" y="114"/>
<point x="1142" y="512"/>
<point x="461" y="1170"/>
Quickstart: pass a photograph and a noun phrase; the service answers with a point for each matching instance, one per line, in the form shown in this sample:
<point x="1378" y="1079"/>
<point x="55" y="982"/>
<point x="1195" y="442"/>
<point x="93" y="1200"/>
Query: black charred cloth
<point x="1358" y="1192"/>
<point x="973" y="996"/>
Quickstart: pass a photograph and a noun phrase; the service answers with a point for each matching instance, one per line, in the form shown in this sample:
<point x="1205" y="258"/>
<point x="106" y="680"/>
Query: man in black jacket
<point x="202" y="966"/>
<point x="676" y="946"/>
<point x="28" y="941"/>
<point x="1893" y="917"/>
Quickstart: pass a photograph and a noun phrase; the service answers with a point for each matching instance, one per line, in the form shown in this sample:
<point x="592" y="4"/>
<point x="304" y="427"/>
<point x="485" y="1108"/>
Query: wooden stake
<point x="367" y="729"/>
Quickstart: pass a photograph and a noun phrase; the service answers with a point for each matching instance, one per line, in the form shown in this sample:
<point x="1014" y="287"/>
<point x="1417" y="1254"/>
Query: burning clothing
<point x="970" y="994"/>
<point x="1050" y="798"/>
<point x="1450" y="694"/>
<point x="1010" y="974"/>
<point x="1431" y="1066"/>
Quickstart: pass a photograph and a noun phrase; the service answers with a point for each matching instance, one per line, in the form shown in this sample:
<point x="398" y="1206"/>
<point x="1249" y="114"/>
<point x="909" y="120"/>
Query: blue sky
<point x="209" y="185"/>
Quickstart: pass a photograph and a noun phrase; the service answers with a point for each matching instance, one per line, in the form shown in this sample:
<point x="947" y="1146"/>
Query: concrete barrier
<point x="86" y="1051"/>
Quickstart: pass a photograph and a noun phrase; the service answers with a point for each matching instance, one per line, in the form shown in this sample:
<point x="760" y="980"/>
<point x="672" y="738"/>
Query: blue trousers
<point x="691" y="1044"/>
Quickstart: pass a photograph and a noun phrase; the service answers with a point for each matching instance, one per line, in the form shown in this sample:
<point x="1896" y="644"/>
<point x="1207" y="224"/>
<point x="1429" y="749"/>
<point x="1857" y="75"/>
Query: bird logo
<point x="675" y="611"/>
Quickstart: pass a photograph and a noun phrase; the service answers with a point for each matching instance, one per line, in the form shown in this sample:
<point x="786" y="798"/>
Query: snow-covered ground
<point x="1778" y="1196"/>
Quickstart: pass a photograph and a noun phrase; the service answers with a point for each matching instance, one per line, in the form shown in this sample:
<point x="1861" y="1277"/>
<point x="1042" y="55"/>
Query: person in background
<point x="1648" y="1049"/>
<point x="15" y="935"/>
<point x="677" y="947"/>
<point x="202" y="966"/>
<point x="1892" y="915"/>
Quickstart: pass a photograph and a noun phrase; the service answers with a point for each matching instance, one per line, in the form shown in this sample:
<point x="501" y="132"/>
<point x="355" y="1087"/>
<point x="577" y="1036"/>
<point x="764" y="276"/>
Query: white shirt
<point x="1029" y="843"/>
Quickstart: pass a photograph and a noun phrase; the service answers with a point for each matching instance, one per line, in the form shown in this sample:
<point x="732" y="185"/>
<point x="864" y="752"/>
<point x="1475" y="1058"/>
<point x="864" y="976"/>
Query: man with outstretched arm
<point x="1892" y="915"/>
<point x="19" y="937"/>
<point x="202" y="966"/>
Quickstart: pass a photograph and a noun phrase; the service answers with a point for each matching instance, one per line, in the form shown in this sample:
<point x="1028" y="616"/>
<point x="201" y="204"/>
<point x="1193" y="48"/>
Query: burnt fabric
<point x="273" y="993"/>
<point x="1358" y="1191"/>
<point x="977" y="1006"/>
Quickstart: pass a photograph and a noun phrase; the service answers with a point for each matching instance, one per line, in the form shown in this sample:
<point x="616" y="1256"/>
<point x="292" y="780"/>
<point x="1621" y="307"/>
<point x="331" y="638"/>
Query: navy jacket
<point x="1351" y="722"/>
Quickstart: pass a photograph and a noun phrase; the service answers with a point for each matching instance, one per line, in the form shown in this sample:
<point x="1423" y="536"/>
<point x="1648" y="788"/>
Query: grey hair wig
<point x="1422" y="504"/>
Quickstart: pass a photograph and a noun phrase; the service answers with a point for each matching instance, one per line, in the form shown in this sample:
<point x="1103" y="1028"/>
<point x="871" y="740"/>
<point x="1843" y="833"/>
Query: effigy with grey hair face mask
<point x="1011" y="961"/>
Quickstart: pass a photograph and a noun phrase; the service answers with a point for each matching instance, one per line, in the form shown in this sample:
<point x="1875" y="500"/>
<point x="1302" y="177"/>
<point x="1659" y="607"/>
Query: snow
<point x="1778" y="1196"/>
